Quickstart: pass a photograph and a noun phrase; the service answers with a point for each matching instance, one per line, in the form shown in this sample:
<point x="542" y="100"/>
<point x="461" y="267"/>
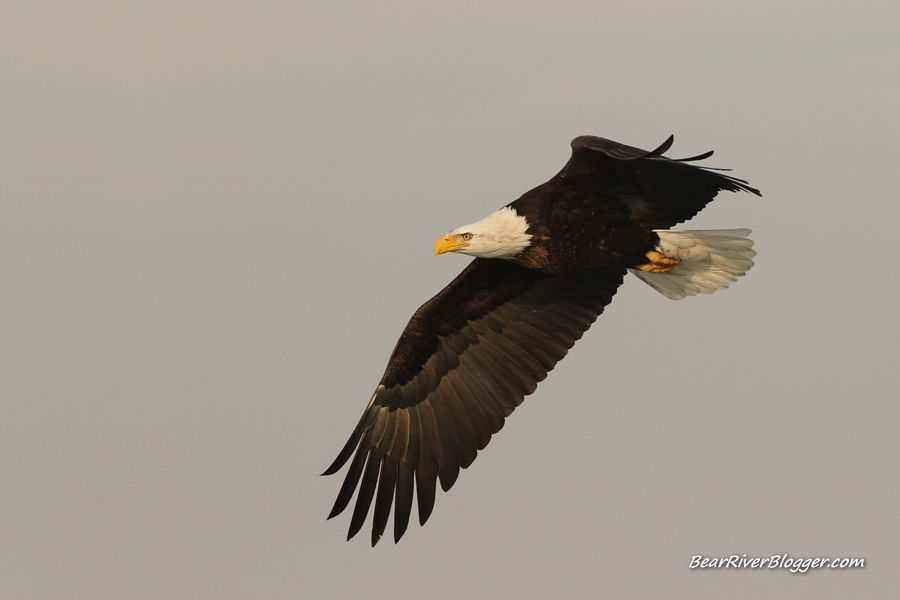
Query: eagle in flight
<point x="545" y="267"/>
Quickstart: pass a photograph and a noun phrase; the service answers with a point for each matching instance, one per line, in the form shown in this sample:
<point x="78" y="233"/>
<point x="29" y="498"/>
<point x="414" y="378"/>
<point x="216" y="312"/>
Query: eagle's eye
<point x="466" y="236"/>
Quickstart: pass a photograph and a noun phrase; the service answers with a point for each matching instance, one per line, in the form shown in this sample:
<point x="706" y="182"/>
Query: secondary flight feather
<point x="545" y="267"/>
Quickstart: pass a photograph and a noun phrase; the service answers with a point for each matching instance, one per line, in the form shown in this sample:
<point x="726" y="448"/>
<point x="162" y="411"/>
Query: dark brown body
<point x="574" y="226"/>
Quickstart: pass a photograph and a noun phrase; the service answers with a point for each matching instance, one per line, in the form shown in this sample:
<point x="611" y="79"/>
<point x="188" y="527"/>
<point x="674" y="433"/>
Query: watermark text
<point x="778" y="561"/>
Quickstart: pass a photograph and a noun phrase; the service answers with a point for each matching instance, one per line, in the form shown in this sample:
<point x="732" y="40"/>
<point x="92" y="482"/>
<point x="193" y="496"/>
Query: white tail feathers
<point x="710" y="261"/>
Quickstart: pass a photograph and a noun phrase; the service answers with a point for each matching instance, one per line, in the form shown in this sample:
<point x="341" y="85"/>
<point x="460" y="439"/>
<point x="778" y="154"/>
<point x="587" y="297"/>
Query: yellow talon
<point x="659" y="263"/>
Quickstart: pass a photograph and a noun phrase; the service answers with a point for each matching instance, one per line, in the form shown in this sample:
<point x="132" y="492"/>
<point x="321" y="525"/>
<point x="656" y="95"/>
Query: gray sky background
<point x="217" y="217"/>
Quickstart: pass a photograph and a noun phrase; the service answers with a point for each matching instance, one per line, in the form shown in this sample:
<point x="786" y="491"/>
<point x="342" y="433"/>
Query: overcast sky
<point x="217" y="217"/>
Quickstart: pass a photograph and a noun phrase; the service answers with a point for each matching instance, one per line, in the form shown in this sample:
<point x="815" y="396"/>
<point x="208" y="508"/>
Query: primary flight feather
<point x="546" y="266"/>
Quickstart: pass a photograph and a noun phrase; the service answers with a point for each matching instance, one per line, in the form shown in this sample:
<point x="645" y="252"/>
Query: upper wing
<point x="466" y="359"/>
<point x="659" y="192"/>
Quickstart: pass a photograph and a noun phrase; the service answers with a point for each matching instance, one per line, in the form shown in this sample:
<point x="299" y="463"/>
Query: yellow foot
<point x="659" y="263"/>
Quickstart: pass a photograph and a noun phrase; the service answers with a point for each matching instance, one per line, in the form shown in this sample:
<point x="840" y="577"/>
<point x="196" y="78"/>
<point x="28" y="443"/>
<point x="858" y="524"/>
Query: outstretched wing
<point x="658" y="192"/>
<point x="466" y="359"/>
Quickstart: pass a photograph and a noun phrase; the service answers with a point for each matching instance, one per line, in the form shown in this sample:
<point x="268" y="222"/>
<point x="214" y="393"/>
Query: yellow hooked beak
<point x="448" y="243"/>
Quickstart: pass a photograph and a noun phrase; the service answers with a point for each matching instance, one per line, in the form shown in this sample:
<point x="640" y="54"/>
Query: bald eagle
<point x="545" y="267"/>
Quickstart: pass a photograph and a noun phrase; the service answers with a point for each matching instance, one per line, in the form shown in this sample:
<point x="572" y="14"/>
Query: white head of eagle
<point x="502" y="234"/>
